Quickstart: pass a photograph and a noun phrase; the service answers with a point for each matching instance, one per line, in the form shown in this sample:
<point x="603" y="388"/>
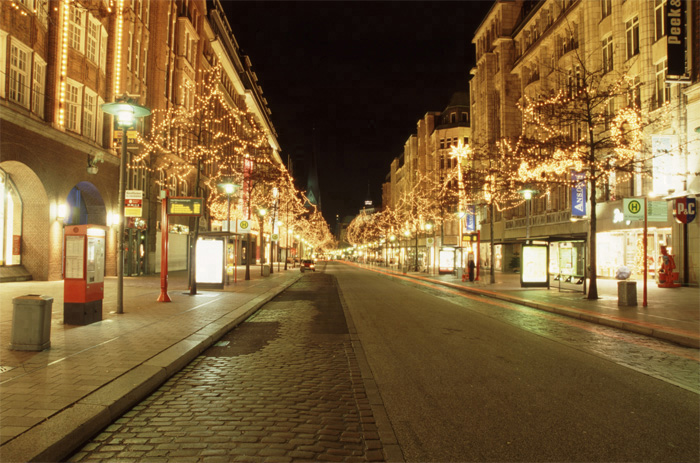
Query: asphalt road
<point x="461" y="383"/>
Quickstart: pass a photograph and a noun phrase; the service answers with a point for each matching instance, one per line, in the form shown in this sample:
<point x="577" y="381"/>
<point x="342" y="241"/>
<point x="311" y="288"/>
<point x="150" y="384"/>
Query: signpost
<point x="133" y="203"/>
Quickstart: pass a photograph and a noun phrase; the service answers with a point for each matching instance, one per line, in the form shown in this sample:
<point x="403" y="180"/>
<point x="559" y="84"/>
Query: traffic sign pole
<point x="644" y="292"/>
<point x="163" y="297"/>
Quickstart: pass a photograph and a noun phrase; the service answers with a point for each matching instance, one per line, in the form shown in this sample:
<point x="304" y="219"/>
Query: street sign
<point x="185" y="206"/>
<point x="430" y="242"/>
<point x="133" y="203"/>
<point x="243" y="226"/>
<point x="633" y="209"/>
<point x="684" y="209"/>
<point x="274" y="237"/>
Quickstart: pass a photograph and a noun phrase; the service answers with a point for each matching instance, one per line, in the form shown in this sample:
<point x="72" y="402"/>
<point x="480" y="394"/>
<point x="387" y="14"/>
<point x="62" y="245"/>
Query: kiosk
<point x="84" y="270"/>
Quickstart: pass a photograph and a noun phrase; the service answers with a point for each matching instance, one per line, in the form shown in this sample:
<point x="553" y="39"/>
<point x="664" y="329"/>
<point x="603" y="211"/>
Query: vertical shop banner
<point x="578" y="194"/>
<point x="471" y="219"/>
<point x="676" y="32"/>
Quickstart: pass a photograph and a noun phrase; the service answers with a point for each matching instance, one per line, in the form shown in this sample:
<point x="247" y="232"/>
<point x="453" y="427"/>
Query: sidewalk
<point x="672" y="314"/>
<point x="52" y="401"/>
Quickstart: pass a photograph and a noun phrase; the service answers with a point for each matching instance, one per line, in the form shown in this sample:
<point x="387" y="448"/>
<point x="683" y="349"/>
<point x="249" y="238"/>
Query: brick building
<point x="60" y="60"/>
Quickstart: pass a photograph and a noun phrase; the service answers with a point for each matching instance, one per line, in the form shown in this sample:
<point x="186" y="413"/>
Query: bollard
<point x="31" y="322"/>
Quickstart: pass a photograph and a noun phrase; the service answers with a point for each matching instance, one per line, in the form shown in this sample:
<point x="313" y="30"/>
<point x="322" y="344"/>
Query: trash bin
<point x="459" y="271"/>
<point x="626" y="293"/>
<point x="266" y="270"/>
<point x="31" y="322"/>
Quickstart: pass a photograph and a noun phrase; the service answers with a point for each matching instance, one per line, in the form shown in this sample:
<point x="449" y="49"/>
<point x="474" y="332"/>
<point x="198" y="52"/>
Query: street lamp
<point x="127" y="112"/>
<point x="527" y="194"/>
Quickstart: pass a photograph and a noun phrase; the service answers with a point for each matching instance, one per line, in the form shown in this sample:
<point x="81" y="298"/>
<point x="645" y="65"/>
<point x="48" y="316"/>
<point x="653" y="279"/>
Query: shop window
<point x="10" y="221"/>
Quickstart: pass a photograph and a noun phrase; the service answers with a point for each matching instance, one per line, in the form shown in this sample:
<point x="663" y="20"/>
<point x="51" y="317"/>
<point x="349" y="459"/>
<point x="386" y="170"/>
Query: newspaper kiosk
<point x="84" y="270"/>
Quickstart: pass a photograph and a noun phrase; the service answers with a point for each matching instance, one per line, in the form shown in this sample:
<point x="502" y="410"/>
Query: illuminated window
<point x="137" y="58"/>
<point x="19" y="73"/>
<point x="662" y="92"/>
<point x="131" y="46"/>
<point x="38" y="87"/>
<point x="93" y="39"/>
<point x="89" y="113"/>
<point x="103" y="49"/>
<point x="659" y="18"/>
<point x="99" y="136"/>
<point x="3" y="61"/>
<point x="74" y="97"/>
<point x="632" y="28"/>
<point x="145" y="60"/>
<point x="76" y="25"/>
<point x="607" y="54"/>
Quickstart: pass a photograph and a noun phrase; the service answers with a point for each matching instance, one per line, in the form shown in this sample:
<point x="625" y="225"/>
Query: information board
<point x="75" y="251"/>
<point x="185" y="206"/>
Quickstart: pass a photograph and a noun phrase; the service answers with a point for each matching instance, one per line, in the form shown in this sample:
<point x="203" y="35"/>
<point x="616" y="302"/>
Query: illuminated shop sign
<point x="676" y="31"/>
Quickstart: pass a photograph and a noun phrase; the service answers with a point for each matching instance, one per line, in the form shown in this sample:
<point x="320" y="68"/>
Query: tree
<point x="592" y="126"/>
<point x="211" y="136"/>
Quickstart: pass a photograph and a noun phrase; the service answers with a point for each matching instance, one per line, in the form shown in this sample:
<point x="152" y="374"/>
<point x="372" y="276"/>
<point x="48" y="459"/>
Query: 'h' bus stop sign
<point x="684" y="209"/>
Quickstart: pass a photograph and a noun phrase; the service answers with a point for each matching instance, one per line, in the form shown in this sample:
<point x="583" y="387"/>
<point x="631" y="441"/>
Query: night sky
<point x="358" y="75"/>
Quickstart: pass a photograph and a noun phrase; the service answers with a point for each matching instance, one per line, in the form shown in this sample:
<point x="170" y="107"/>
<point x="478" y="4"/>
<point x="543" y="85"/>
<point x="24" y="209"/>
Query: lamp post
<point x="127" y="113"/>
<point x="527" y="194"/>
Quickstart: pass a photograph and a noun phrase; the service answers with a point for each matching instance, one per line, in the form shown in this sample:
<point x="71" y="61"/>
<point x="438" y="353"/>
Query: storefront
<point x="626" y="248"/>
<point x="10" y="221"/>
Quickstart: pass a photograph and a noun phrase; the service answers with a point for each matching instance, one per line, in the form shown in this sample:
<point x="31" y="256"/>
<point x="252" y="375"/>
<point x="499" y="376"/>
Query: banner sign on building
<point x="676" y="32"/>
<point x="471" y="219"/>
<point x="578" y="194"/>
<point x="684" y="209"/>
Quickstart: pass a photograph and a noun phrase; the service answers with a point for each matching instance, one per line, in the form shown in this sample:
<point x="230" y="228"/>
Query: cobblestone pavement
<point x="663" y="360"/>
<point x="284" y="386"/>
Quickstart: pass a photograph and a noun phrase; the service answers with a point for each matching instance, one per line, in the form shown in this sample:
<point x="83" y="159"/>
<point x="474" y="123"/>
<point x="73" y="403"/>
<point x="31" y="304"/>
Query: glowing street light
<point x="127" y="113"/>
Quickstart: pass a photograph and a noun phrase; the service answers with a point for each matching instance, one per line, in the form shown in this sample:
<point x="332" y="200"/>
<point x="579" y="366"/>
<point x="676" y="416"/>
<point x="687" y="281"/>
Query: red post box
<point x="84" y="270"/>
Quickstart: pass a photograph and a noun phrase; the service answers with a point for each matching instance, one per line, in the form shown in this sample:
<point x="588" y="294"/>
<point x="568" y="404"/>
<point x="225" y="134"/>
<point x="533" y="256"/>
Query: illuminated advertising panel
<point x="533" y="271"/>
<point x="210" y="262"/>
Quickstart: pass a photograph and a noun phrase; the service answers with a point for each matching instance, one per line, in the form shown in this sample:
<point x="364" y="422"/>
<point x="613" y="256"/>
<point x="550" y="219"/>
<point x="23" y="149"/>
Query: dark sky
<point x="359" y="75"/>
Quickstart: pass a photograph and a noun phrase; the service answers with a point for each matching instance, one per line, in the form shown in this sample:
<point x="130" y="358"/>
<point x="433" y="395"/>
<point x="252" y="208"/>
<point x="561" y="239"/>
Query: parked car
<point x="308" y="264"/>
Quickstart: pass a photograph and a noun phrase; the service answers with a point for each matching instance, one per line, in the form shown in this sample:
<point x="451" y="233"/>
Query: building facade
<point x="60" y="154"/>
<point x="529" y="50"/>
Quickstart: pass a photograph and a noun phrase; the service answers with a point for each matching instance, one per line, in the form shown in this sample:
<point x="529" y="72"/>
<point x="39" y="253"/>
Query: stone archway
<point x="86" y="205"/>
<point x="37" y="239"/>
